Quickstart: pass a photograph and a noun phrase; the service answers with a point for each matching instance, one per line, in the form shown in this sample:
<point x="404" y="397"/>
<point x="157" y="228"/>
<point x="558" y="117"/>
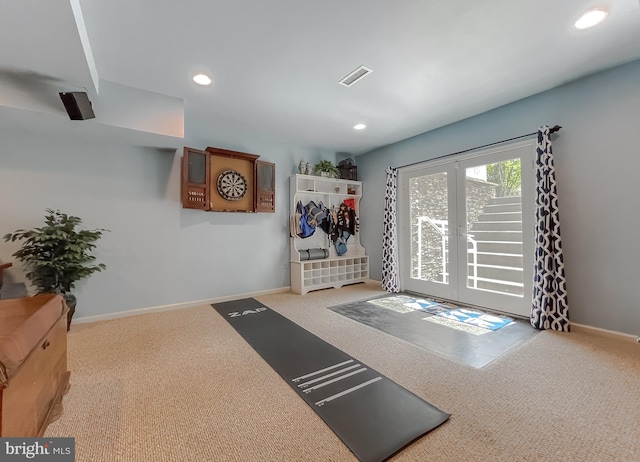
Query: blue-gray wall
<point x="160" y="254"/>
<point x="597" y="158"/>
<point x="156" y="252"/>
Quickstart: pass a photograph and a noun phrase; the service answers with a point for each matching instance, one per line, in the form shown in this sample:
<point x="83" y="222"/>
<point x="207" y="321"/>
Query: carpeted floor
<point x="184" y="386"/>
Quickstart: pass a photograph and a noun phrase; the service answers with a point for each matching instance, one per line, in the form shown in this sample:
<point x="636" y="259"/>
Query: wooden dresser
<point x="33" y="363"/>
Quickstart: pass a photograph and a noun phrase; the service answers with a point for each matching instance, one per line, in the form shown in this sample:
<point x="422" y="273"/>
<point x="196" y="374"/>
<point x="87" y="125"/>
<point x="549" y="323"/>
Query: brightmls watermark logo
<point x="38" y="449"/>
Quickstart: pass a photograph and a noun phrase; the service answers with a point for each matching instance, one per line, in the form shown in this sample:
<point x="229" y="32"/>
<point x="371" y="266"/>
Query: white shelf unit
<point x="333" y="271"/>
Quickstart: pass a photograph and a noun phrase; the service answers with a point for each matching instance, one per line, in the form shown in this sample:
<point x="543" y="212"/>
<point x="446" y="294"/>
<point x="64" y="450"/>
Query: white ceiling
<point x="275" y="64"/>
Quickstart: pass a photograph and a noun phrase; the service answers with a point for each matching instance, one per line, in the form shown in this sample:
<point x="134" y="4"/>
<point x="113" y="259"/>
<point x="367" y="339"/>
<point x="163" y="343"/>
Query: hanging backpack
<point x="316" y="213"/>
<point x="306" y="228"/>
<point x="326" y="224"/>
<point x="341" y="246"/>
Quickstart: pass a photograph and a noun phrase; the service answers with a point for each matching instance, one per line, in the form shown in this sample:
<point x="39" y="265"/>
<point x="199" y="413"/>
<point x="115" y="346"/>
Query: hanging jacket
<point x="345" y="223"/>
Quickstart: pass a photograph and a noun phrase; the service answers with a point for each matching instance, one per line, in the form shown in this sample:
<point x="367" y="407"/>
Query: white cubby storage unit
<point x="332" y="271"/>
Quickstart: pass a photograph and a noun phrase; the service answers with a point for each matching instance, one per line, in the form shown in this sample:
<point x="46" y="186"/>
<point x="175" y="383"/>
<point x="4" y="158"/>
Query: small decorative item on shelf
<point x="327" y="169"/>
<point x="348" y="169"/>
<point x="351" y="190"/>
<point x="304" y="168"/>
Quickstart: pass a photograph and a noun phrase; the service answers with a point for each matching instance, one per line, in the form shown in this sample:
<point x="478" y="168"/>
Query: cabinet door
<point x="195" y="179"/>
<point x="265" y="186"/>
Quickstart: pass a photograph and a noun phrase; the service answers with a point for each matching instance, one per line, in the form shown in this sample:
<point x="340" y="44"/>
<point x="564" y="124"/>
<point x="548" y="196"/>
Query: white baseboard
<point x="602" y="332"/>
<point x="176" y="306"/>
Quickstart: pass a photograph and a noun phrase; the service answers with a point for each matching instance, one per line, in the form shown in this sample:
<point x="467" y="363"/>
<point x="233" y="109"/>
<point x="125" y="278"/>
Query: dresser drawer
<point x="32" y="395"/>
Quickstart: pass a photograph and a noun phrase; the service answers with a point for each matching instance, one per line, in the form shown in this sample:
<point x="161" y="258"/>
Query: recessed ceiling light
<point x="591" y="18"/>
<point x="359" y="126"/>
<point x="202" y="79"/>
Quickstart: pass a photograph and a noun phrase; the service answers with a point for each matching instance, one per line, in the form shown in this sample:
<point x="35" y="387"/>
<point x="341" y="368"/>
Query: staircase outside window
<point x="494" y="242"/>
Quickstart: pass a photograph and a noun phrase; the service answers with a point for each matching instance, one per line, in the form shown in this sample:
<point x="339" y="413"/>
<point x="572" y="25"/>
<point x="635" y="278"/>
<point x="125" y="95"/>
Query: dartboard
<point x="232" y="185"/>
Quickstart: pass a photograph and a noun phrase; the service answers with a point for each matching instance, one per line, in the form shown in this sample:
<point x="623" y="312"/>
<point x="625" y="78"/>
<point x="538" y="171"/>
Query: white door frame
<point x="456" y="290"/>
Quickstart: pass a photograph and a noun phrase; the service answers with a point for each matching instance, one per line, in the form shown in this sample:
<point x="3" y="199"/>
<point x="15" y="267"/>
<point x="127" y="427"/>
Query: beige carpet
<point x="184" y="386"/>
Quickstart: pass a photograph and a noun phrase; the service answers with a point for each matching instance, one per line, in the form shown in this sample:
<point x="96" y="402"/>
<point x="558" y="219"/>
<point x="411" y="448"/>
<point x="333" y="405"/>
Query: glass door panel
<point x="429" y="221"/>
<point x="469" y="229"/>
<point x="494" y="227"/>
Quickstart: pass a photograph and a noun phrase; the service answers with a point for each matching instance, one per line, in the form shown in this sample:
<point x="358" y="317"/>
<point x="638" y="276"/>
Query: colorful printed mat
<point x="461" y="333"/>
<point x="465" y="319"/>
<point x="476" y="318"/>
<point x="407" y="304"/>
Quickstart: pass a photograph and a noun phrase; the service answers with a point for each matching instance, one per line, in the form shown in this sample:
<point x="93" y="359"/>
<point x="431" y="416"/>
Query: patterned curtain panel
<point x="550" y="309"/>
<point x="390" y="275"/>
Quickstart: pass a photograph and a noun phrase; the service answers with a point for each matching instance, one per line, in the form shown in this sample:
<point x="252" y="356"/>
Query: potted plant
<point x="57" y="255"/>
<point x="326" y="168"/>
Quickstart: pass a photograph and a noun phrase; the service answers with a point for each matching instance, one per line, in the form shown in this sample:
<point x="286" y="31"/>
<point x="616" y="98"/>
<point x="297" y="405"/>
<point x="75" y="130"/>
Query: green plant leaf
<point x="57" y="255"/>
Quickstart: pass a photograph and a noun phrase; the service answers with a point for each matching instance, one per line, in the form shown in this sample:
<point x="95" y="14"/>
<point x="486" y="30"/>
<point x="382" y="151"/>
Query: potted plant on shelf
<point x="326" y="168"/>
<point x="57" y="255"/>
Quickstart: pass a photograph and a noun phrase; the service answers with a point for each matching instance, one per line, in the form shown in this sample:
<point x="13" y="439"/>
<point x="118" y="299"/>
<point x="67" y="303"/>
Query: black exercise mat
<point x="374" y="416"/>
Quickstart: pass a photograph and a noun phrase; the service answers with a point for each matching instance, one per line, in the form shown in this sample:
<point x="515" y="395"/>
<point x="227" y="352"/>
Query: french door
<point x="466" y="228"/>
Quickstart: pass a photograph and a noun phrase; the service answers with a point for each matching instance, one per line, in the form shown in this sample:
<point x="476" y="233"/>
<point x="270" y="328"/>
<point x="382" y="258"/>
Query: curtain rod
<point x="551" y="130"/>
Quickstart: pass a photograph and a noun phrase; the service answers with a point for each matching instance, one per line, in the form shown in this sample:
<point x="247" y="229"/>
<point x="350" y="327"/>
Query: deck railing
<point x="441" y="227"/>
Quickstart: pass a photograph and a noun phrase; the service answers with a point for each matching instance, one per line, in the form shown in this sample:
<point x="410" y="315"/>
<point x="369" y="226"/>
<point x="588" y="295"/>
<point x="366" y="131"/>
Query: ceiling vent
<point x="355" y="76"/>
